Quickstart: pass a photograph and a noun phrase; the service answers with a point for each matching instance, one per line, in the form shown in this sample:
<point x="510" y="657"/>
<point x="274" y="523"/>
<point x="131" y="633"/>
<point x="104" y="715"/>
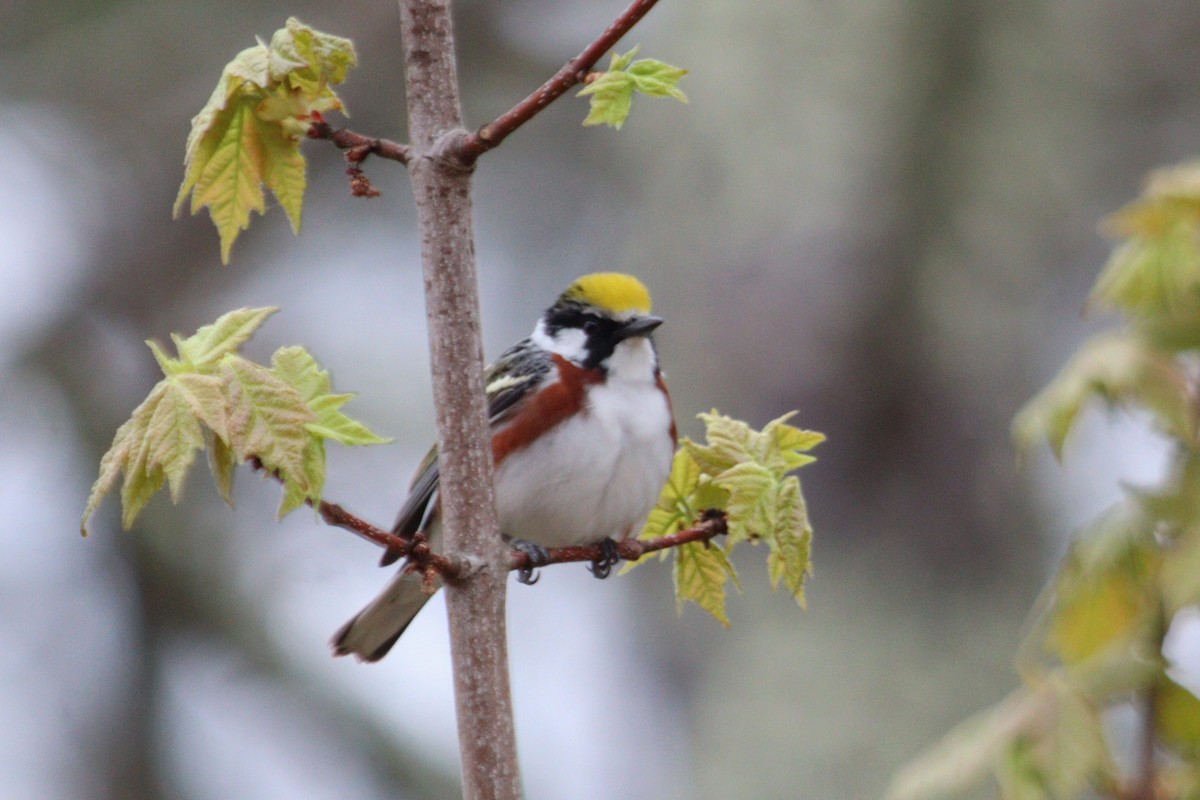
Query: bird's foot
<point x="602" y="566"/>
<point x="538" y="557"/>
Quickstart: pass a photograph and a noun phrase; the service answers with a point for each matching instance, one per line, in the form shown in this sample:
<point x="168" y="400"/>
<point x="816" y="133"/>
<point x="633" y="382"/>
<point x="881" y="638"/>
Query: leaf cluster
<point x="746" y="474"/>
<point x="611" y="92"/>
<point x="248" y="135"/>
<point x="213" y="398"/>
<point x="1096" y="637"/>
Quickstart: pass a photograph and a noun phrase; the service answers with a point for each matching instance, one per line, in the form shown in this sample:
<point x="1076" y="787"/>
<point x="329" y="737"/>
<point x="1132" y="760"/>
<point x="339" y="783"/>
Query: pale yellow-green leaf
<point x="1104" y="592"/>
<point x="681" y="483"/>
<point x="790" y="559"/>
<point x="1118" y="368"/>
<point x="283" y="168"/>
<point x="967" y="754"/>
<point x="618" y="62"/>
<point x="137" y="490"/>
<point x="142" y="480"/>
<point x="167" y="364"/>
<point x="248" y="135"/>
<point x="611" y="92"/>
<point x="1046" y="738"/>
<point x="269" y="420"/>
<point x="212" y="398"/>
<point x="727" y="443"/>
<point x="792" y="443"/>
<point x="655" y="78"/>
<point x="674" y="510"/>
<point x="229" y="181"/>
<point x="752" y="488"/>
<point x="1180" y="575"/>
<point x="221" y="461"/>
<point x="1073" y="747"/>
<point x="611" y="99"/>
<point x="1116" y="671"/>
<point x="296" y="367"/>
<point x="310" y="60"/>
<point x="700" y="574"/>
<point x="173" y="436"/>
<point x="333" y="424"/>
<point x="1177" y="717"/>
<point x="1179" y="779"/>
<point x="208" y="345"/>
<point x="294" y="494"/>
<point x="1155" y="274"/>
<point x="205" y="399"/>
<point x="709" y="494"/>
<point x="111" y="464"/>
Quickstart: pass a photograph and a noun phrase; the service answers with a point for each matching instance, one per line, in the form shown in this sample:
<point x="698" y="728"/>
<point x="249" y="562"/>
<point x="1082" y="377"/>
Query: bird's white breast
<point x="598" y="473"/>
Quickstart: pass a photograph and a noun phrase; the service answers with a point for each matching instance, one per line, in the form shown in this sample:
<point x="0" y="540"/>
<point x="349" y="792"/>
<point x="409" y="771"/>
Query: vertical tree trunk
<point x="442" y="188"/>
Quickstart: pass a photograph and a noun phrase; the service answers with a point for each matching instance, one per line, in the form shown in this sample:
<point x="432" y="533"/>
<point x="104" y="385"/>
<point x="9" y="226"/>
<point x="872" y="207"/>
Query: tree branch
<point x="1144" y="784"/>
<point x="357" y="148"/>
<point x="712" y="524"/>
<point x="1144" y="778"/>
<point x="441" y="187"/>
<point x="573" y="72"/>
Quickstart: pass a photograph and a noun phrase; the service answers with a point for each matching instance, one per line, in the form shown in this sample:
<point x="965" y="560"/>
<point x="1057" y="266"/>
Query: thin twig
<point x="418" y="553"/>
<point x="712" y="524"/>
<point x="1144" y="778"/>
<point x="1144" y="783"/>
<point x="359" y="146"/>
<point x="573" y="72"/>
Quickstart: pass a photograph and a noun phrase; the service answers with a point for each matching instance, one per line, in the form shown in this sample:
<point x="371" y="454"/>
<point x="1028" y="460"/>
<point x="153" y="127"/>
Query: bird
<point x="582" y="433"/>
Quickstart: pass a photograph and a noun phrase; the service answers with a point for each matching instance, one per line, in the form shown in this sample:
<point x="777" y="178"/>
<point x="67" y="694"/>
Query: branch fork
<point x="460" y="149"/>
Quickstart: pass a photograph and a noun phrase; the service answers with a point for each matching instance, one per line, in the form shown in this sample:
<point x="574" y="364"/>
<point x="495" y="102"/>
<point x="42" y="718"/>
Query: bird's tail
<point x="372" y="631"/>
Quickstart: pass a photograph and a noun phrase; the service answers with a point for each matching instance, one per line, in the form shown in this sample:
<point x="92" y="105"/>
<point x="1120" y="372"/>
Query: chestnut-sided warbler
<point x="582" y="441"/>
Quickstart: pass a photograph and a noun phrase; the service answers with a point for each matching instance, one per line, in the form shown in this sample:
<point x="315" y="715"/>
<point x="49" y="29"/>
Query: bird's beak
<point x="638" y="326"/>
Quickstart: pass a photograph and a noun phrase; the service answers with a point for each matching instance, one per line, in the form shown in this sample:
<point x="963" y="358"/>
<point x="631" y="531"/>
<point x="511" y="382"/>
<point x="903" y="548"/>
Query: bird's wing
<point x="508" y="381"/>
<point x="510" y="378"/>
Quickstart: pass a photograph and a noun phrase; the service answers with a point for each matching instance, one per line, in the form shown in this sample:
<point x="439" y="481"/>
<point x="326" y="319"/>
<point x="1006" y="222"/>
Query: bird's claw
<point x="602" y="567"/>
<point x="538" y="557"/>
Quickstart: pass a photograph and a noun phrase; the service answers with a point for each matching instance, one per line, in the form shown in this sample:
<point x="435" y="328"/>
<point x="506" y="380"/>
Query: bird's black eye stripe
<point x="569" y="317"/>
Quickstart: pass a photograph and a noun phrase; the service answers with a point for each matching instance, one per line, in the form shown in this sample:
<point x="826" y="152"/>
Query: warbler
<point x="583" y="436"/>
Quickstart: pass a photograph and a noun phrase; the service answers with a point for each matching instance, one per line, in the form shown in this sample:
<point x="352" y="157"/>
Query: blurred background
<point x="880" y="214"/>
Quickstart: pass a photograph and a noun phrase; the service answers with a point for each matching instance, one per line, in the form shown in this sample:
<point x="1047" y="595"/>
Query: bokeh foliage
<point x="1096" y="638"/>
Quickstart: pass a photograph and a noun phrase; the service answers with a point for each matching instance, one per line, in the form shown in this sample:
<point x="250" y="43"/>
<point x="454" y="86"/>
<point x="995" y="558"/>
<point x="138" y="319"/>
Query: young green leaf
<point x="296" y="367"/>
<point x="221" y="461"/>
<point x="248" y="135"/>
<point x="202" y="350"/>
<point x="790" y="559"/>
<point x="1118" y="368"/>
<point x="173" y="436"/>
<point x="612" y="91"/>
<point x="1156" y="272"/>
<point x="965" y="755"/>
<point x="1177" y="717"/>
<point x="700" y="573"/>
<point x="744" y="473"/>
<point x="1104" y="591"/>
<point x="268" y="421"/>
<point x="213" y="398"/>
<point x="1044" y="741"/>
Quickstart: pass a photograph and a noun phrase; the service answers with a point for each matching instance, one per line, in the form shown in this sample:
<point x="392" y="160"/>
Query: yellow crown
<point x="614" y="292"/>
